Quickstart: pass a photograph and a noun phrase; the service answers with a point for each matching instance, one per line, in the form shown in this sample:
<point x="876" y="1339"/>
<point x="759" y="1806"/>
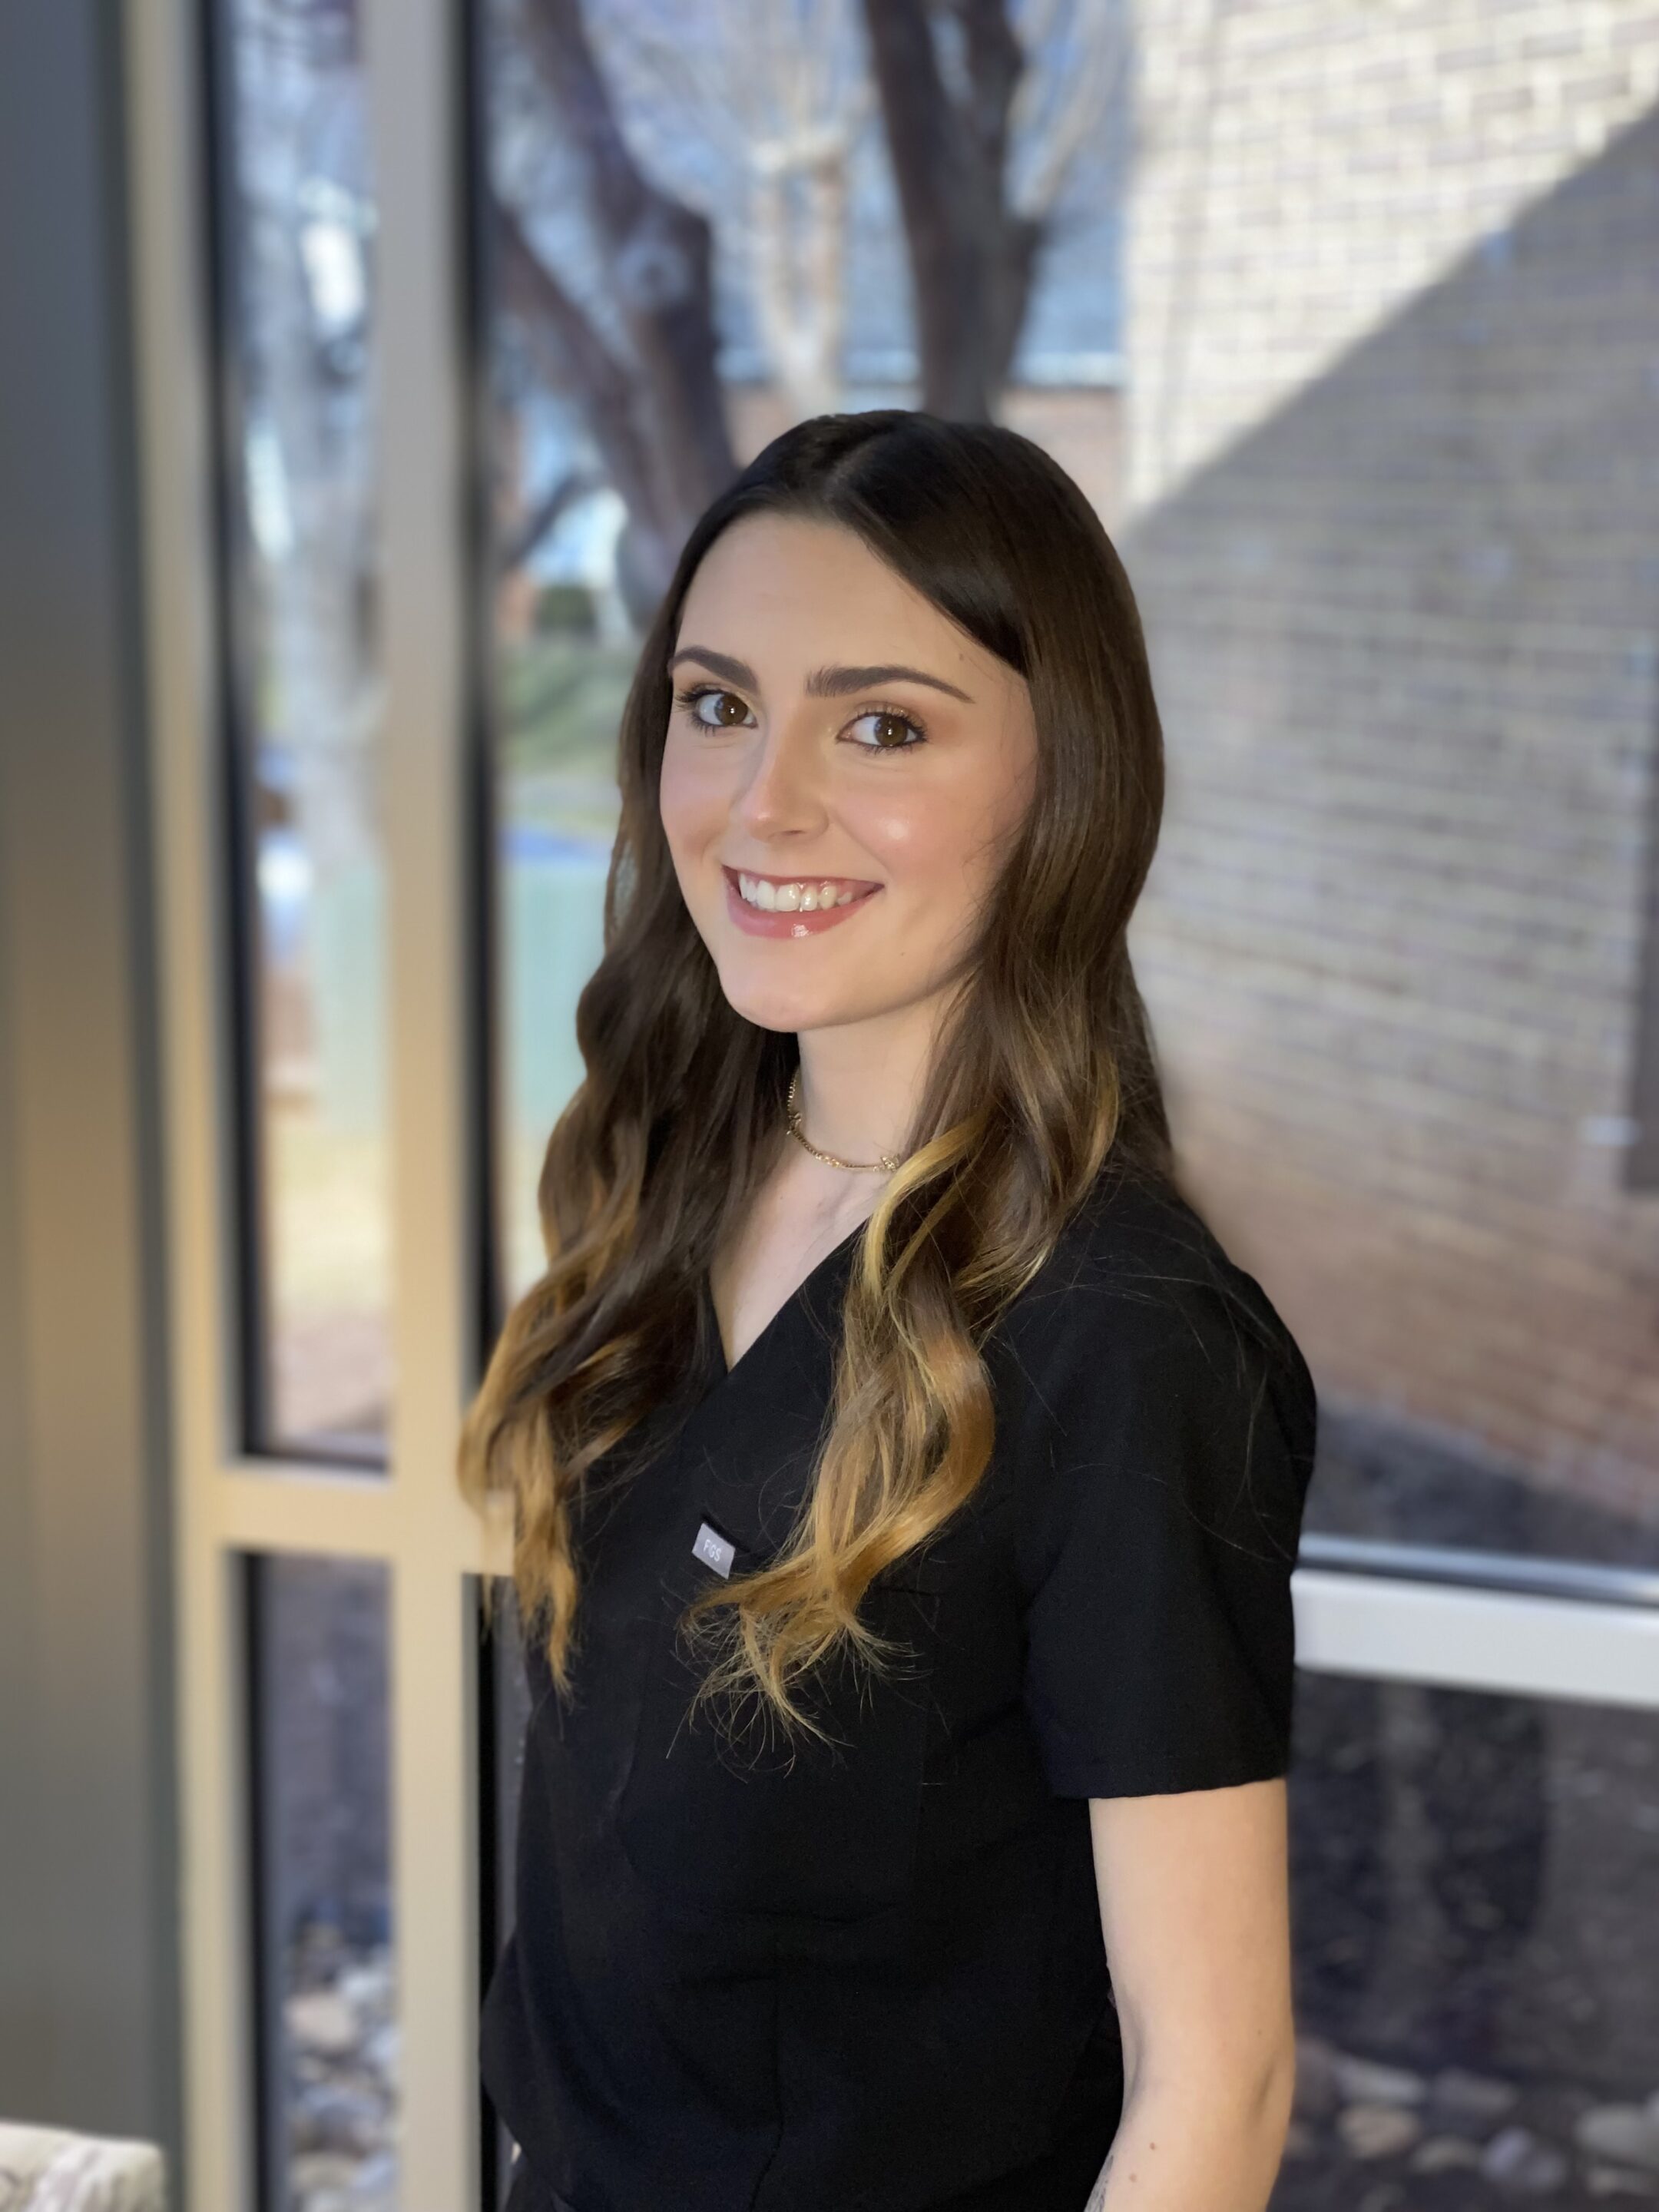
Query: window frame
<point x="228" y="1501"/>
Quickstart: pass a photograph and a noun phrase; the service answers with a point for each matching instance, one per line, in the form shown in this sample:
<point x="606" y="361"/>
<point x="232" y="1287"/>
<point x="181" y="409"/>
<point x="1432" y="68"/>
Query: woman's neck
<point x="860" y="1085"/>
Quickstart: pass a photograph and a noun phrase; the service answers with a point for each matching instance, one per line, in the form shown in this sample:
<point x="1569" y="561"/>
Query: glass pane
<point x="1477" y="1952"/>
<point x="756" y="142"/>
<point x="1383" y="1480"/>
<point x="507" y="1691"/>
<point x="297" y="230"/>
<point x="1392" y="528"/>
<point x="328" y="2015"/>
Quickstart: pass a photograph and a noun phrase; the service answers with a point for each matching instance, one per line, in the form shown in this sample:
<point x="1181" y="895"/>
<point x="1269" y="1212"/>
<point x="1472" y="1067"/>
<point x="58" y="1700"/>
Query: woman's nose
<point x="781" y="787"/>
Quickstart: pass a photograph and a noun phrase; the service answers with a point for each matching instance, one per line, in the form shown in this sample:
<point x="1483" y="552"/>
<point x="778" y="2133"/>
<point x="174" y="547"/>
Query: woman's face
<point x="841" y="752"/>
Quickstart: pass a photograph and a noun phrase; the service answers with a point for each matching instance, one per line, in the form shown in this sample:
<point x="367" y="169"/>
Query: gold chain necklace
<point x="885" y="1165"/>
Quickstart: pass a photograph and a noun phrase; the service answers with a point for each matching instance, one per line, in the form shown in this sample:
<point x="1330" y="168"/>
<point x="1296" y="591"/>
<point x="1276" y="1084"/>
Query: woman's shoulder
<point x="1139" y="1282"/>
<point x="1158" y="1442"/>
<point x="1138" y="1240"/>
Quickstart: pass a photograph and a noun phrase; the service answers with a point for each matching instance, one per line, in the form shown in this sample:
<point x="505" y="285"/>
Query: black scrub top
<point x="871" y="1976"/>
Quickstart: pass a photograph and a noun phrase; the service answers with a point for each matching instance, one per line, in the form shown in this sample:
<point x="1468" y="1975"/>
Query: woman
<point x="907" y="1484"/>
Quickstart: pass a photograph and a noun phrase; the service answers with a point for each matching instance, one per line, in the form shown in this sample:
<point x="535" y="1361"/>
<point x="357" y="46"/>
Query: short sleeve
<point x="1174" y="1444"/>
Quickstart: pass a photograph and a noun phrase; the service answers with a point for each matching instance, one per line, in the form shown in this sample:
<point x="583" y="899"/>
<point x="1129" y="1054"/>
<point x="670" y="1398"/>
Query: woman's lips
<point x="756" y="921"/>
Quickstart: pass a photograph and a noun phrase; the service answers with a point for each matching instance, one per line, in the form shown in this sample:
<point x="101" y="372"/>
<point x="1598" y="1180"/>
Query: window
<point x="328" y="2013"/>
<point x="1474" y="1952"/>
<point x="294" y="221"/>
<point x="425" y="389"/>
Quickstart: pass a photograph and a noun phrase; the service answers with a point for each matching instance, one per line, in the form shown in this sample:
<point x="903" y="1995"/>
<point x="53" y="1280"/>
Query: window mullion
<point x="412" y="75"/>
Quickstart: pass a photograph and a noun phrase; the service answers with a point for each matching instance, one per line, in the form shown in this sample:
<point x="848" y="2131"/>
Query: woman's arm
<point x="1195" y="1907"/>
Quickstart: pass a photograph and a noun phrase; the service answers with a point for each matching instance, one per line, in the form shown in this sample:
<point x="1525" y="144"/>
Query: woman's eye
<point x="914" y="733"/>
<point x="691" y="701"/>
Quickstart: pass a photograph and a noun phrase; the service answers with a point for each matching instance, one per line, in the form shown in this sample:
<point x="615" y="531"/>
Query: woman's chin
<point x="772" y="1006"/>
<point x="782" y="1011"/>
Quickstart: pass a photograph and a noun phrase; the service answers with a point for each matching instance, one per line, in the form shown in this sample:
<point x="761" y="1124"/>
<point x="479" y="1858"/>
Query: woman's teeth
<point x="792" y="898"/>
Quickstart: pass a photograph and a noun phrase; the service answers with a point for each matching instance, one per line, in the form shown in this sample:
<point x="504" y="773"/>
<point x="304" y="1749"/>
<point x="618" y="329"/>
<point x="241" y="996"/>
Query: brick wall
<point x="1305" y="169"/>
<point x="1393" y="452"/>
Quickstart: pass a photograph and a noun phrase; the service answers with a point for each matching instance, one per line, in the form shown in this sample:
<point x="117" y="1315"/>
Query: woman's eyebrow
<point x="821" y="682"/>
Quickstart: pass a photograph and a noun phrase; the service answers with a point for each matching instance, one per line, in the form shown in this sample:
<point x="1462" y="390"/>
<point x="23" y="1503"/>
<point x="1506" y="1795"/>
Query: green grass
<point x="561" y="703"/>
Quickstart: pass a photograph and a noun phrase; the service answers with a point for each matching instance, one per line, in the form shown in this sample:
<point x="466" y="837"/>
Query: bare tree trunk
<point x="662" y="412"/>
<point x="1011" y="242"/>
<point x="971" y="257"/>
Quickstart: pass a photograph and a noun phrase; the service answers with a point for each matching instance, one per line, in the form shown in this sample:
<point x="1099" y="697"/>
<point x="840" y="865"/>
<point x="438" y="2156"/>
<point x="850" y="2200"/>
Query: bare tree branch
<point x="660" y="256"/>
<point x="780" y="94"/>
<point x="574" y="484"/>
<point x="576" y="358"/>
<point x="1089" y="100"/>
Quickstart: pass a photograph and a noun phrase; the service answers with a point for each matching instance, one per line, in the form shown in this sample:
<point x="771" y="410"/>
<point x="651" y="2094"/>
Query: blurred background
<point x="362" y="366"/>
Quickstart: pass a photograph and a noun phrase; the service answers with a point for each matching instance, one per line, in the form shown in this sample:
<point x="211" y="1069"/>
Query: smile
<point x="792" y="906"/>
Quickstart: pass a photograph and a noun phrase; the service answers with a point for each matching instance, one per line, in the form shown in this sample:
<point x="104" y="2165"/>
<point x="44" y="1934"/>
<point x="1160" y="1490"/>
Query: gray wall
<point x="89" y="1983"/>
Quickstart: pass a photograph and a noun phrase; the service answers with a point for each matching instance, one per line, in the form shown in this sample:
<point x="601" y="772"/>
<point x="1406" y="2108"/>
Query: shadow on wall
<point x="1404" y="634"/>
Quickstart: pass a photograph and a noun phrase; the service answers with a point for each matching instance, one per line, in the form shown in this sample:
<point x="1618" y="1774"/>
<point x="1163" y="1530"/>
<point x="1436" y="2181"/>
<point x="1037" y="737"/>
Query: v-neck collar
<point x="795" y="1303"/>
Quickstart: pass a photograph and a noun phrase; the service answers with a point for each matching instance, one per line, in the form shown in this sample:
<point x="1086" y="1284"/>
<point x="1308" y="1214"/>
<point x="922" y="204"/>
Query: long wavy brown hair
<point x="1044" y="1072"/>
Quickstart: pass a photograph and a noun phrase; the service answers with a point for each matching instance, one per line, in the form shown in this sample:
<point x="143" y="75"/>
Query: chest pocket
<point x="724" y="1813"/>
